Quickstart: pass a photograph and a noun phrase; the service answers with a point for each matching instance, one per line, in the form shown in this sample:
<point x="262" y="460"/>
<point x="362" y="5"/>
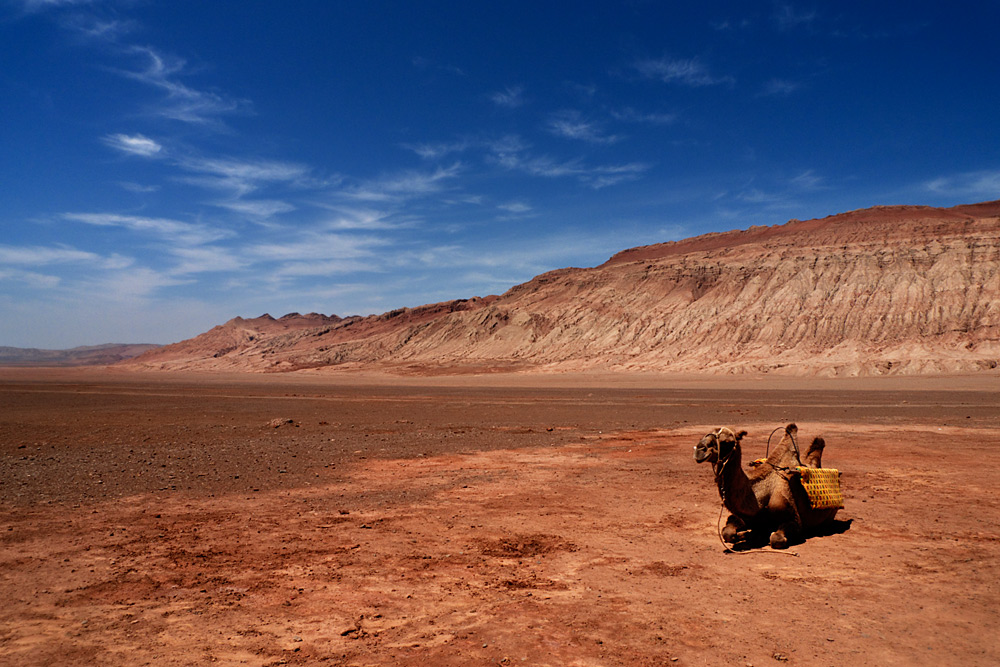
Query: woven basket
<point x="822" y="485"/>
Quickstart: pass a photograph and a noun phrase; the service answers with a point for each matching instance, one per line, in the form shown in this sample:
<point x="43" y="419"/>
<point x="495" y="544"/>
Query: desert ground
<point x="352" y="519"/>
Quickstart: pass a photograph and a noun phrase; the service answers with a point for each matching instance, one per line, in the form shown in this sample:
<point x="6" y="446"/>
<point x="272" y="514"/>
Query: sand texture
<point x="179" y="519"/>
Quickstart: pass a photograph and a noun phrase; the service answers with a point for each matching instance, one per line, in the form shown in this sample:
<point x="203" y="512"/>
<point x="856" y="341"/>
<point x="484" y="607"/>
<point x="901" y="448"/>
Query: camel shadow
<point x="761" y="539"/>
<point x="831" y="527"/>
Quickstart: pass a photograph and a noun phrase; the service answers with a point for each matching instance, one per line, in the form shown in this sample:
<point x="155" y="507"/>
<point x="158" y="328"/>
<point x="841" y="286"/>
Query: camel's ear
<point x="739" y="436"/>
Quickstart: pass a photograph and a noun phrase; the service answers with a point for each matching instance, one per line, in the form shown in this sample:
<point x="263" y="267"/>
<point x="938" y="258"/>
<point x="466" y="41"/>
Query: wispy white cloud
<point x="782" y="193"/>
<point x="510" y="97"/>
<point x="789" y="17"/>
<point x="182" y="103"/>
<point x="241" y="177"/>
<point x="96" y="28"/>
<point x="500" y="265"/>
<point x="780" y="88"/>
<point x="433" y="151"/>
<point x="151" y="67"/>
<point x="40" y="255"/>
<point x="138" y="188"/>
<point x="515" y="207"/>
<point x="630" y="115"/>
<point x="32" y="279"/>
<point x="247" y="170"/>
<point x="594" y="176"/>
<point x="134" y="283"/>
<point x="315" y="245"/>
<point x="404" y="185"/>
<point x="539" y="165"/>
<point x="686" y="71"/>
<point x="607" y="175"/>
<point x="586" y="91"/>
<point x="204" y="259"/>
<point x="979" y="184"/>
<point x="41" y="5"/>
<point x="731" y="25"/>
<point x="257" y="208"/>
<point x="571" y="124"/>
<point x="808" y="180"/>
<point x="423" y="63"/>
<point x="65" y="260"/>
<point x="176" y="231"/>
<point x="758" y="196"/>
<point x="349" y="219"/>
<point x="507" y="144"/>
<point x="327" y="267"/>
<point x="135" y="144"/>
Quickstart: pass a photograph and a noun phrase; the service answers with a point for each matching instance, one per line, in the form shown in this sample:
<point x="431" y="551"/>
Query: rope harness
<point x="719" y="467"/>
<point x="785" y="472"/>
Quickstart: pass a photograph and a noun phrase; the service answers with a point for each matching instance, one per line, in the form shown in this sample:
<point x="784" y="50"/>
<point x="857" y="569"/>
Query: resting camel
<point x="768" y="500"/>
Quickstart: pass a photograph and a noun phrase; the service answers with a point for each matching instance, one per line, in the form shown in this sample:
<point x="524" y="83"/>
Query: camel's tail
<point x="814" y="456"/>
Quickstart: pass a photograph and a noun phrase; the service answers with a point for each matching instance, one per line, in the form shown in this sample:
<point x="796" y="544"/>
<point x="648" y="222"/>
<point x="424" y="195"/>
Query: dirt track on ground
<point x="166" y="521"/>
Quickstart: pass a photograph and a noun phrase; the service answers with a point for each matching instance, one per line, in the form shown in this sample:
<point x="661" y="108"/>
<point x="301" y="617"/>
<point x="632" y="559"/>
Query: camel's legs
<point x="734" y="530"/>
<point x="787" y="534"/>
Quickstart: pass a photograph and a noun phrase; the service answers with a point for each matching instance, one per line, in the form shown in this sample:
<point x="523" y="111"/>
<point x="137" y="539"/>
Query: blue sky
<point x="167" y="165"/>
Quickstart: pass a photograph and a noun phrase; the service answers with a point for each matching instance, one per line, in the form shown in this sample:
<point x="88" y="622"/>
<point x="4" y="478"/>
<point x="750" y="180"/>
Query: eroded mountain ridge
<point x="886" y="290"/>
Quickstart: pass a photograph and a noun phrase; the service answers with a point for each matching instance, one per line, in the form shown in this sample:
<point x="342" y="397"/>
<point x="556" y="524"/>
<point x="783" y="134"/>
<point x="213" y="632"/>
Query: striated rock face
<point x="90" y="355"/>
<point x="901" y="289"/>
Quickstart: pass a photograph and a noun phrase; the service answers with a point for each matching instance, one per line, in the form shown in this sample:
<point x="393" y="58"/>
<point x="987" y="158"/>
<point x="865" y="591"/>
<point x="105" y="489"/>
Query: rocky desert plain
<point x="509" y="480"/>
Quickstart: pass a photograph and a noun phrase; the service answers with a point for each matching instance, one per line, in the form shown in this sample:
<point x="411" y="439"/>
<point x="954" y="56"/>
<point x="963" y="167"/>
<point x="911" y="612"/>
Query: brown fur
<point x="769" y="499"/>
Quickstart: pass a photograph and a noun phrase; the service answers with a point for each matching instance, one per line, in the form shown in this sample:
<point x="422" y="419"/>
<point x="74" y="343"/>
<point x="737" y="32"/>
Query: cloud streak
<point x="788" y="17"/>
<point x="978" y="184"/>
<point x="402" y="186"/>
<point x="41" y="255"/>
<point x="779" y="88"/>
<point x="572" y="125"/>
<point x="257" y="208"/>
<point x="183" y="233"/>
<point x="512" y="154"/>
<point x="135" y="144"/>
<point x="182" y="102"/>
<point x="241" y="176"/>
<point x="630" y="115"/>
<point x="42" y="5"/>
<point x="689" y="72"/>
<point x="510" y="97"/>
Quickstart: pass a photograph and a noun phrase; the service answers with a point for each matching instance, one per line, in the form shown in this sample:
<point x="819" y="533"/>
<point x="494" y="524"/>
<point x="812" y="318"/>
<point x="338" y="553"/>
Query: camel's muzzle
<point x="705" y="448"/>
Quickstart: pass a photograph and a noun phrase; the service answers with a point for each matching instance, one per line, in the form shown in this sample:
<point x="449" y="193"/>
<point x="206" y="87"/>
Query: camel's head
<point x="717" y="444"/>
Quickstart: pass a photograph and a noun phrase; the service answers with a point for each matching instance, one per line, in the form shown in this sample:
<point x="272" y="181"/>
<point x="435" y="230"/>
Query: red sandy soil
<point x="506" y="520"/>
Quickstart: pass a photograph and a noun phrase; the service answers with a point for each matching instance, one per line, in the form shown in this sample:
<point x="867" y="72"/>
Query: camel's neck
<point x="734" y="486"/>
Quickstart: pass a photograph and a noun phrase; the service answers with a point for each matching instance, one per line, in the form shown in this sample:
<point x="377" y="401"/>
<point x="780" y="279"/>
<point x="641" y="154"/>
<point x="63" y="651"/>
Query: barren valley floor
<point x="178" y="519"/>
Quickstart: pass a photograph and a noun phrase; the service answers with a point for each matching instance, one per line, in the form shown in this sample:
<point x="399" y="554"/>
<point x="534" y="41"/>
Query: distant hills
<point x="885" y="290"/>
<point x="94" y="355"/>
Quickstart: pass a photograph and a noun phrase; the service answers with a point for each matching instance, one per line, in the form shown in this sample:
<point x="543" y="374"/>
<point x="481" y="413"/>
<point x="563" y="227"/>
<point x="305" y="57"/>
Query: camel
<point x="770" y="498"/>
